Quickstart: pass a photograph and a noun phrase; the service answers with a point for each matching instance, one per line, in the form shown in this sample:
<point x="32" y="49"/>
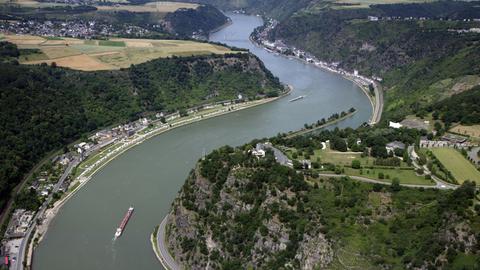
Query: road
<point x="23" y="246"/>
<point x="368" y="180"/>
<point x="440" y="183"/>
<point x="377" y="111"/>
<point x="166" y="259"/>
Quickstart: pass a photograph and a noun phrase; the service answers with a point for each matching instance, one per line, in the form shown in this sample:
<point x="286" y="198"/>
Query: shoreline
<point x="334" y="121"/>
<point x="82" y="180"/>
<point x="374" y="101"/>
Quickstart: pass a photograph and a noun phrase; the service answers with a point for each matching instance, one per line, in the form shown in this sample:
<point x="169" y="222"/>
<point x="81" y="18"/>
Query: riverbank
<point x="161" y="249"/>
<point x="120" y="147"/>
<point x="363" y="83"/>
<point x="328" y="123"/>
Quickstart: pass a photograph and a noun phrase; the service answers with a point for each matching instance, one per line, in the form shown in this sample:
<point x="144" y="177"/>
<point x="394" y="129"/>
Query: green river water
<point x="150" y="175"/>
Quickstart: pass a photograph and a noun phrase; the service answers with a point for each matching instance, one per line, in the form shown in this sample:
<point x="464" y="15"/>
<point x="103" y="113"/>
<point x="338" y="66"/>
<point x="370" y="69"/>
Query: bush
<point x="356" y="164"/>
<point x="381" y="175"/>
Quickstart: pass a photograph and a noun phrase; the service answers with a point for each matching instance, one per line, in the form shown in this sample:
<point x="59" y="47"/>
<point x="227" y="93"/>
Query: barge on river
<point x="125" y="220"/>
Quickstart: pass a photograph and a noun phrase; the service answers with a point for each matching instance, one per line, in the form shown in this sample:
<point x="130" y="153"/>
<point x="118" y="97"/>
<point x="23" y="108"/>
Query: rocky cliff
<point x="237" y="211"/>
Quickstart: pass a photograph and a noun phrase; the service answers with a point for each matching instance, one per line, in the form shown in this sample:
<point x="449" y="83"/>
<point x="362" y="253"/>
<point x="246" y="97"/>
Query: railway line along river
<point x="149" y="175"/>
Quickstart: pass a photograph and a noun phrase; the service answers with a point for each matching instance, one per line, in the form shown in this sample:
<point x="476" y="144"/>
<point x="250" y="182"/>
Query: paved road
<point x="440" y="183"/>
<point x="377" y="111"/>
<point x="166" y="259"/>
<point x="23" y="246"/>
<point x="368" y="180"/>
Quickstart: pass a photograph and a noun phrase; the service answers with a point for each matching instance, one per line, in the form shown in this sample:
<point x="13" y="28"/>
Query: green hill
<point x="236" y="212"/>
<point x="43" y="108"/>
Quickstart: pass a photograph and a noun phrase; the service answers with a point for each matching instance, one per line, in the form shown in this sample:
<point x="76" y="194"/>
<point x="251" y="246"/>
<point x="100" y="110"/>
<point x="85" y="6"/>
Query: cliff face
<point x="235" y="220"/>
<point x="236" y="211"/>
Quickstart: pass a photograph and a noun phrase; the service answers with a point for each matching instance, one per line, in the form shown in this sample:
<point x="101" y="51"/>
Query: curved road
<point x="166" y="259"/>
<point x="368" y="180"/>
<point x="377" y="111"/>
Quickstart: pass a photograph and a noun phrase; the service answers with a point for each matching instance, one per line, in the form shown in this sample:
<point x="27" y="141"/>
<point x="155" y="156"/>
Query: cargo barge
<point x="124" y="222"/>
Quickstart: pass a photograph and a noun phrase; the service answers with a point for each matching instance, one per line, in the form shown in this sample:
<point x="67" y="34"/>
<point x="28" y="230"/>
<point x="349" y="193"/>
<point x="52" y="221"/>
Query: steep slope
<point x="236" y="211"/>
<point x="42" y="108"/>
<point x="415" y="48"/>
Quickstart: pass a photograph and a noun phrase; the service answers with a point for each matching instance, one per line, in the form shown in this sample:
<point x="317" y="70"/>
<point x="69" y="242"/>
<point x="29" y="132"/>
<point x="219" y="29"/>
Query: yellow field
<point x="460" y="167"/>
<point x="89" y="55"/>
<point x="160" y="7"/>
<point x="472" y="131"/>
<point x="367" y="3"/>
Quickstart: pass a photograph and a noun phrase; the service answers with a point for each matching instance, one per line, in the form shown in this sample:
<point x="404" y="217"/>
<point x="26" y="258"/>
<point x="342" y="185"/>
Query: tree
<point x="395" y="186"/>
<point x="381" y="175"/>
<point x="356" y="164"/>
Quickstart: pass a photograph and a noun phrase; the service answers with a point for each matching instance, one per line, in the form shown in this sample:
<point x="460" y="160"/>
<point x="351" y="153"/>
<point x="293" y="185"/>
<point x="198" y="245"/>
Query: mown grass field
<point x="461" y="168"/>
<point x="408" y="177"/>
<point x="91" y="55"/>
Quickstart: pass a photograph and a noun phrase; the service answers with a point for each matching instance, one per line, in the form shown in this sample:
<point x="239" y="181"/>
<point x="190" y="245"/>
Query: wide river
<point x="150" y="175"/>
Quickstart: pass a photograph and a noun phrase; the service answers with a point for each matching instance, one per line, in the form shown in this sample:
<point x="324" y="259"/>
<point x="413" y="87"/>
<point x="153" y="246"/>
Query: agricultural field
<point x="367" y="3"/>
<point x="30" y="3"/>
<point x="153" y="7"/>
<point x="90" y="55"/>
<point x="472" y="131"/>
<point x="460" y="167"/>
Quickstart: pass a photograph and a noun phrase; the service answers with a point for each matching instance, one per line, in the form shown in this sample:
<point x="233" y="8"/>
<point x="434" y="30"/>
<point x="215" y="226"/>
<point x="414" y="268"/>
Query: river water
<point x="150" y="175"/>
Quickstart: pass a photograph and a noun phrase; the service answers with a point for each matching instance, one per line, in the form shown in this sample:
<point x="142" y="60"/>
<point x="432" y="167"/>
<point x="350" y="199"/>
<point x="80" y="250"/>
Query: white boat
<point x="297" y="98"/>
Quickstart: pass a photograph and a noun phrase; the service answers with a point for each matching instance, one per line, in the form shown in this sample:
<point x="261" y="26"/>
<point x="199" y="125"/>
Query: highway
<point x="166" y="259"/>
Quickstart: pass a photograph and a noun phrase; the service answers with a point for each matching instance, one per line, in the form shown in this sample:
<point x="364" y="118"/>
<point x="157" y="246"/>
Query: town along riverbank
<point x="150" y="175"/>
<point x="370" y="86"/>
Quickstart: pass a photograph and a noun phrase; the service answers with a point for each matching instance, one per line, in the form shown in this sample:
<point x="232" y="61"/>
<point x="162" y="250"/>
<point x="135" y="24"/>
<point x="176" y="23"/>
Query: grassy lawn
<point x="405" y="176"/>
<point x="335" y="157"/>
<point x="111" y="43"/>
<point x="461" y="168"/>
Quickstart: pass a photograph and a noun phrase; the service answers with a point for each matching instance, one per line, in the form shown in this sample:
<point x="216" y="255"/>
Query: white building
<point x="394" y="125"/>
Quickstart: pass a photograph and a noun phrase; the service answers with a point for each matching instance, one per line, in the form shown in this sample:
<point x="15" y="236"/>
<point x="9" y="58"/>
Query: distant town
<point x="75" y="28"/>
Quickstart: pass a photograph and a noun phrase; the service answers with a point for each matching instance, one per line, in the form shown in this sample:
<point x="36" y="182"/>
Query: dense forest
<point x="462" y="108"/>
<point x="43" y="108"/>
<point x="421" y="61"/>
<point x="236" y="211"/>
<point x="203" y="19"/>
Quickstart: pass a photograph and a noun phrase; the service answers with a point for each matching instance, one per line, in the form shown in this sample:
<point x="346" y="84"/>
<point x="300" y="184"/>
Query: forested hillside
<point x="423" y="52"/>
<point x="236" y="212"/>
<point x="463" y="108"/>
<point x="180" y="23"/>
<point x="43" y="108"/>
<point x="203" y="19"/>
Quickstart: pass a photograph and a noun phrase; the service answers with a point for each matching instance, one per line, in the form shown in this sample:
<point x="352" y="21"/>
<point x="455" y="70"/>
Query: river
<point x="150" y="175"/>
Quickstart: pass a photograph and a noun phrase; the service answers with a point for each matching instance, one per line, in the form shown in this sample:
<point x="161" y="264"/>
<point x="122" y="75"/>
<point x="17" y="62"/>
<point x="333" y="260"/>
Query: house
<point x="394" y="125"/>
<point x="394" y="145"/>
<point x="373" y="18"/>
<point x="306" y="164"/>
<point x="258" y="153"/>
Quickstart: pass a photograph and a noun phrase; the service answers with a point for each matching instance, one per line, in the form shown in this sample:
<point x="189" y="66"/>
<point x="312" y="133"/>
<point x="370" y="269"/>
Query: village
<point x="75" y="28"/>
<point x="60" y="175"/>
